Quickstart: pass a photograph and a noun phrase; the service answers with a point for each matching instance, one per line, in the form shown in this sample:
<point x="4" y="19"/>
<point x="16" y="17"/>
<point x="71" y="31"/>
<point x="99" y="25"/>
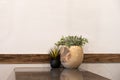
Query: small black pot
<point x="55" y="62"/>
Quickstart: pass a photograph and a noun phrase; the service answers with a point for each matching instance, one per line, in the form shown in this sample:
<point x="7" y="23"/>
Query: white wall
<point x="99" y="21"/>
<point x="28" y="26"/>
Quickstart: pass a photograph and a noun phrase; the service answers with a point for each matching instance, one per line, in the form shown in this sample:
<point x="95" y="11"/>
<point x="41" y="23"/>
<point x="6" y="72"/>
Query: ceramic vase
<point x="71" y="57"/>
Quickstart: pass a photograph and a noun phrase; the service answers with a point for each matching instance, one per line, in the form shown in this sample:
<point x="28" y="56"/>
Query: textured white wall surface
<point x="28" y="26"/>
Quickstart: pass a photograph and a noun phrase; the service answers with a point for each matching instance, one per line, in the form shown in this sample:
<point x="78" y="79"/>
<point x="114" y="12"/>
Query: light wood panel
<point x="44" y="58"/>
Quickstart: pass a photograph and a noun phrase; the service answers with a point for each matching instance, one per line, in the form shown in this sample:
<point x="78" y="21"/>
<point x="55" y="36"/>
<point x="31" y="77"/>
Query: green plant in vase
<point x="55" y="57"/>
<point x="71" y="50"/>
<point x="72" y="41"/>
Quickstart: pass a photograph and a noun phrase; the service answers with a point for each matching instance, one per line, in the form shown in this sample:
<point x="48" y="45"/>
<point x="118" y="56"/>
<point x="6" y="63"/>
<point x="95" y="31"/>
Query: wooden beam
<point x="101" y="58"/>
<point x="24" y="58"/>
<point x="44" y="58"/>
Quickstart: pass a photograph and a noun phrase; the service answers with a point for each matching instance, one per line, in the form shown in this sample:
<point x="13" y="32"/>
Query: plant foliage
<point x="54" y="52"/>
<point x="72" y="41"/>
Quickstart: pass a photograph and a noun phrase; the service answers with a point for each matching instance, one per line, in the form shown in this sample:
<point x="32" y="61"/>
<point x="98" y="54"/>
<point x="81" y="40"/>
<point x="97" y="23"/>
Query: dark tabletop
<point x="58" y="74"/>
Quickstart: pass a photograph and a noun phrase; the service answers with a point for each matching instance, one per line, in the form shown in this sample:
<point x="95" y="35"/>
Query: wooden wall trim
<point x="102" y="58"/>
<point x="44" y="58"/>
<point x="24" y="58"/>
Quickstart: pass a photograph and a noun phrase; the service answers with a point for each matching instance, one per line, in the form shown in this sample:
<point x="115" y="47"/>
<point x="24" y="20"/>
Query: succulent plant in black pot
<point x="55" y="57"/>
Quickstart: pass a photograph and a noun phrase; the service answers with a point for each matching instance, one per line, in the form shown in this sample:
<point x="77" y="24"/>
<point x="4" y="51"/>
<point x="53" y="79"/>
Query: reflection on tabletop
<point x="68" y="74"/>
<point x="53" y="74"/>
<point x="56" y="74"/>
